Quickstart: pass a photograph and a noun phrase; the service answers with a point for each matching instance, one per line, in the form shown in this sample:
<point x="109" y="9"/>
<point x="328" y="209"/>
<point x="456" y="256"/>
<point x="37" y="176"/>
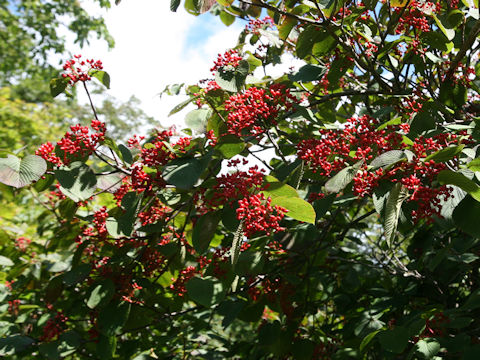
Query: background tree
<point x="358" y="240"/>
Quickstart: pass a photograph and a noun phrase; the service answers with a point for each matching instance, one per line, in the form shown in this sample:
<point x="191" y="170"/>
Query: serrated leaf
<point x="309" y="72"/>
<point x="110" y="182"/>
<point x="298" y="209"/>
<point x="204" y="230"/>
<point x="342" y="178"/>
<point x="395" y="340"/>
<point x="174" y="4"/>
<point x="395" y="199"/>
<point x="275" y="188"/>
<point x="230" y="145"/>
<point x="197" y="119"/>
<point x="103" y="77"/>
<point x="101" y="294"/>
<point x="57" y="86"/>
<point x="112" y="318"/>
<point x="77" y="181"/>
<point x="14" y="344"/>
<point x="181" y="106"/>
<point x="453" y="178"/>
<point x="184" y="173"/>
<point x="428" y="348"/>
<point x="21" y="172"/>
<point x="445" y="154"/>
<point x="474" y="165"/>
<point x="5" y="261"/>
<point x="388" y="158"/>
<point x="232" y="79"/>
<point x="205" y="291"/>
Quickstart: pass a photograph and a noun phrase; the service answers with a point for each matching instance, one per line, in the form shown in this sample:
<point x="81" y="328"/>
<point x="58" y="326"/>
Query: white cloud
<point x="155" y="47"/>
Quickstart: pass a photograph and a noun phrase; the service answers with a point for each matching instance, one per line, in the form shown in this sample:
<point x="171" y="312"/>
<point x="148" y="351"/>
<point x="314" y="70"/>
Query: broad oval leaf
<point x="298" y="209"/>
<point x="101" y="294"/>
<point x="453" y="178"/>
<point x="342" y="178"/>
<point x="445" y="154"/>
<point x="77" y="181"/>
<point x="205" y="291"/>
<point x="18" y="172"/>
<point x="388" y="158"/>
<point x="204" y="230"/>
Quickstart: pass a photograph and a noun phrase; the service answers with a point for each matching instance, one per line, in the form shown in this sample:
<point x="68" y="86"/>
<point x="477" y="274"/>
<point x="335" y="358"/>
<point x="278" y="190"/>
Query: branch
<point x="285" y="13"/>
<point x="466" y="46"/>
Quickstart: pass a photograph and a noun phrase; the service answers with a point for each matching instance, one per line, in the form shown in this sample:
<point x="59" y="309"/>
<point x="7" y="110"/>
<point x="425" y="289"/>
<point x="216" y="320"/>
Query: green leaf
<point x="298" y="209"/>
<point x="427" y="348"/>
<point x="106" y="346"/>
<point x="388" y="158"/>
<point x="184" y="173"/>
<point x="103" y="77"/>
<point x="232" y="79"/>
<point x="342" y="178"/>
<point x="57" y="86"/>
<point x="21" y="172"/>
<point x="204" y="230"/>
<point x="249" y="263"/>
<point x="197" y="119"/>
<point x="101" y="294"/>
<point x="474" y="165"/>
<point x="449" y="33"/>
<point x="227" y="18"/>
<point x="466" y="216"/>
<point x="286" y="27"/>
<point x="174" y="4"/>
<point x="395" y="199"/>
<point x="308" y="73"/>
<point x="77" y="181"/>
<point x="126" y="154"/>
<point x="112" y="318"/>
<point x="445" y="154"/>
<point x="230" y="145"/>
<point x="181" y="106"/>
<point x="110" y="182"/>
<point x="5" y="261"/>
<point x="77" y="274"/>
<point x="44" y="183"/>
<point x="205" y="291"/>
<point x="366" y="340"/>
<point x="14" y="344"/>
<point x="236" y="243"/>
<point x="460" y="180"/>
<point x="276" y="188"/>
<point x="395" y="340"/>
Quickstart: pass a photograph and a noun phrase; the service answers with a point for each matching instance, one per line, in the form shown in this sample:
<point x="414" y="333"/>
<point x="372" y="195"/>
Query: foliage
<point x="33" y="27"/>
<point x="356" y="239"/>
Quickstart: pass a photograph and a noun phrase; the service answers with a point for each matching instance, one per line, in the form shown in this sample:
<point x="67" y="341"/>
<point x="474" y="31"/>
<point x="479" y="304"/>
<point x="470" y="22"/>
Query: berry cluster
<point x="258" y="214"/>
<point x="256" y="24"/>
<point x="229" y="58"/>
<point x="255" y="110"/>
<point x="79" y="70"/>
<point x="360" y="140"/>
<point x="77" y="143"/>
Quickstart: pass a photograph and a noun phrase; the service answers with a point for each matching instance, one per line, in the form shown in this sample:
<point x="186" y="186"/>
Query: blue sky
<point x="155" y="47"/>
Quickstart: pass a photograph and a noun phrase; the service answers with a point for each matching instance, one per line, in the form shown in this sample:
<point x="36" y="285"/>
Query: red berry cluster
<point x="54" y="327"/>
<point x="22" y="243"/>
<point x="229" y="58"/>
<point x="258" y="214"/>
<point x="256" y="24"/>
<point x="254" y="110"/>
<point x="414" y="17"/>
<point x="79" y="70"/>
<point x="78" y="143"/>
<point x="360" y="140"/>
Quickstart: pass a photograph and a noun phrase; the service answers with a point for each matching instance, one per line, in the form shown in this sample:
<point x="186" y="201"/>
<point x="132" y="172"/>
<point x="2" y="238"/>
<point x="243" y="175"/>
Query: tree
<point x="34" y="28"/>
<point x="357" y="240"/>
